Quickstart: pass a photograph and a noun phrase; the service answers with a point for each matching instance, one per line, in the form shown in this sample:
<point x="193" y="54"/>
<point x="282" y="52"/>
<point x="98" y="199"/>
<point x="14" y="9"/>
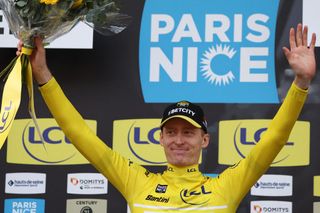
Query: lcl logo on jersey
<point x="209" y="51"/>
<point x="238" y="137"/>
<point x="190" y="196"/>
<point x="25" y="146"/>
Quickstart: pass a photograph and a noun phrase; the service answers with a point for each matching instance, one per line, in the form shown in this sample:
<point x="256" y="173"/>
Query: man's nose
<point x="179" y="139"/>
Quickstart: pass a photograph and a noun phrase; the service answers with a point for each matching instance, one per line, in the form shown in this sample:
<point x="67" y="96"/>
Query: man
<point x="183" y="134"/>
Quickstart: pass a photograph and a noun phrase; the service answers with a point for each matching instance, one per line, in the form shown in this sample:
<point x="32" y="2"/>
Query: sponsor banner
<point x="316" y="207"/>
<point x="87" y="183"/>
<point x="24" y="206"/>
<point x="267" y="206"/>
<point x="25" y="183"/>
<point x="273" y="185"/>
<point x="210" y="52"/>
<point x="310" y="17"/>
<point x="25" y="147"/>
<point x="138" y="140"/>
<point x="80" y="37"/>
<point x="86" y="206"/>
<point x="316" y="186"/>
<point x="238" y="137"/>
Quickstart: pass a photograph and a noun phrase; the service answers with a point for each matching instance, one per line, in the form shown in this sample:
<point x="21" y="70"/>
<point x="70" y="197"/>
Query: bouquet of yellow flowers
<point x="48" y="19"/>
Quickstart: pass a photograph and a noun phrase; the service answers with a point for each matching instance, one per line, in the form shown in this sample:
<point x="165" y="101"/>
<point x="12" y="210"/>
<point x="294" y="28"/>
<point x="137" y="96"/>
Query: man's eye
<point x="188" y="132"/>
<point x="169" y="132"/>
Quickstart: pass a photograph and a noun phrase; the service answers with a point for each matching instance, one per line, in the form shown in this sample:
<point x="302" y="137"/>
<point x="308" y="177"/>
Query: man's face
<point x="182" y="142"/>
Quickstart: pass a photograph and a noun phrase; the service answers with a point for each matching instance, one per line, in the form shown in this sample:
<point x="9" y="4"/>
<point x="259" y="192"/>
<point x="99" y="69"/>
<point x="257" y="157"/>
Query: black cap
<point x="187" y="111"/>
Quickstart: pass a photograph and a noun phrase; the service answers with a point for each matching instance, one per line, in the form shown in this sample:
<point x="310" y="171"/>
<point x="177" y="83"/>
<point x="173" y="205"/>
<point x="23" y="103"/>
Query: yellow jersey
<point x="176" y="189"/>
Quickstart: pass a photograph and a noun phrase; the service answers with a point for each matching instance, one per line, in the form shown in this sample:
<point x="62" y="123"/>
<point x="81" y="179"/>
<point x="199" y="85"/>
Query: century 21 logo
<point x="26" y="147"/>
<point x="238" y="137"/>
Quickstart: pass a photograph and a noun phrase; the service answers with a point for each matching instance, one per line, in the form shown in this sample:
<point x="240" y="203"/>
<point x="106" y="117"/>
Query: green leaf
<point x="21" y="3"/>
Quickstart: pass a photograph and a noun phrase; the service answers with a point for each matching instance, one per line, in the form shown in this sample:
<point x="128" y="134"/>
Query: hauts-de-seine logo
<point x="209" y="51"/>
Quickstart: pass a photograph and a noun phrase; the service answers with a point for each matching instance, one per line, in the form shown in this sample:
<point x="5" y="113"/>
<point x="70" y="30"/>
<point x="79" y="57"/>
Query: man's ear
<point x="205" y="140"/>
<point x="161" y="138"/>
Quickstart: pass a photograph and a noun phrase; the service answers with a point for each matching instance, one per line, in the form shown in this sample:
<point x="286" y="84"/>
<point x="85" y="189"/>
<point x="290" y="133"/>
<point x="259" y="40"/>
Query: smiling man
<point x="182" y="127"/>
<point x="182" y="187"/>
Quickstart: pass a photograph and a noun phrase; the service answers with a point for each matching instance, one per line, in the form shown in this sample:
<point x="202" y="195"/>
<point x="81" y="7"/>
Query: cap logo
<point x="183" y="104"/>
<point x="184" y="110"/>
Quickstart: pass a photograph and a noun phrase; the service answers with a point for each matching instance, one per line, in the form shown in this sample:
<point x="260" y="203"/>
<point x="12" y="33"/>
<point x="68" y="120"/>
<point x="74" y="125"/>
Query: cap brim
<point x="195" y="124"/>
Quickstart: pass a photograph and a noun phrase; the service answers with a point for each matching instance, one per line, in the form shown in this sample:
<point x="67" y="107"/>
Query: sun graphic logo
<point x="208" y="73"/>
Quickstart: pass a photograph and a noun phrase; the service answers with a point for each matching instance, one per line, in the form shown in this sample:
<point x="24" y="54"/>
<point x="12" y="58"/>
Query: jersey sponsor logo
<point x="195" y="51"/>
<point x="25" y="147"/>
<point x="192" y="196"/>
<point x="87" y="183"/>
<point x="86" y="205"/>
<point x="273" y="185"/>
<point x="81" y="36"/>
<point x="25" y="183"/>
<point x="266" y="206"/>
<point x="170" y="169"/>
<point x="24" y="205"/>
<point x="316" y="186"/>
<point x="157" y="199"/>
<point x="238" y="137"/>
<point x="161" y="188"/>
<point x="191" y="170"/>
<point x="138" y="140"/>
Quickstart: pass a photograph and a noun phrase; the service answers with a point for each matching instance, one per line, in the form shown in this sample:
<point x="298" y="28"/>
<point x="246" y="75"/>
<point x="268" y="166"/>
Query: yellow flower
<point x="77" y="3"/>
<point x="49" y="1"/>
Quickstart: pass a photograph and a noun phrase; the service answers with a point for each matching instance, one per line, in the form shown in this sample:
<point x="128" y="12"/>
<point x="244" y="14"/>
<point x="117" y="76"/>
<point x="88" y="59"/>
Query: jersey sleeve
<point x="121" y="172"/>
<point x="237" y="180"/>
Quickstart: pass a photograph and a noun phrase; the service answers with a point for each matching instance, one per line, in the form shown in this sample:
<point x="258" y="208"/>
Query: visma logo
<point x="25" y="146"/>
<point x="24" y="205"/>
<point x="138" y="140"/>
<point x="247" y="133"/>
<point x="209" y="51"/>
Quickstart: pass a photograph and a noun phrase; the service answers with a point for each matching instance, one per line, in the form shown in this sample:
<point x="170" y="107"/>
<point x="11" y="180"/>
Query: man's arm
<point x="239" y="179"/>
<point x="119" y="171"/>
